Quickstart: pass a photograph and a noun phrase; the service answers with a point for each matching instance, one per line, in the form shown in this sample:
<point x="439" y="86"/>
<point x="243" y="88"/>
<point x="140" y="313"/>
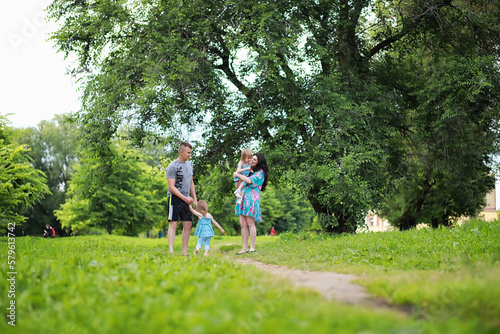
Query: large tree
<point x="449" y="136"/>
<point x="307" y="80"/>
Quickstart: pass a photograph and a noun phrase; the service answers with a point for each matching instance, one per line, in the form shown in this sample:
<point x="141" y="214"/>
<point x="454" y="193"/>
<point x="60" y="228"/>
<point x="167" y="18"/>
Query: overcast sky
<point x="34" y="84"/>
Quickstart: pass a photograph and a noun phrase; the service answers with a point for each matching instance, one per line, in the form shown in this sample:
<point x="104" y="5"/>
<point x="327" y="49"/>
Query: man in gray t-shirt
<point x="180" y="189"/>
<point x="182" y="173"/>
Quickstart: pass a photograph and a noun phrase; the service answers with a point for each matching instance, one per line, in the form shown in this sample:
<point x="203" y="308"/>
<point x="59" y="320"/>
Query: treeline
<point x="128" y="201"/>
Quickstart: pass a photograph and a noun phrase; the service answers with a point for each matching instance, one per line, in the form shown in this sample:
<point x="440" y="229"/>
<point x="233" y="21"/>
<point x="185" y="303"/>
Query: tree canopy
<point x="357" y="104"/>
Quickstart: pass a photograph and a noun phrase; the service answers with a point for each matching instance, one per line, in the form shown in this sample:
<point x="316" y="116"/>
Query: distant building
<point x="375" y="223"/>
<point x="492" y="208"/>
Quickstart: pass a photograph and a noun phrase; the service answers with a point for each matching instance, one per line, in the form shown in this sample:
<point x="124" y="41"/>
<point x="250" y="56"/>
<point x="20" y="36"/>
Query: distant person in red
<point x="49" y="232"/>
<point x="273" y="232"/>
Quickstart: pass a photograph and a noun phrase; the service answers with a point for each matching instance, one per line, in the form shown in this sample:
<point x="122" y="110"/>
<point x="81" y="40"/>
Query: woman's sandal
<point x="241" y="252"/>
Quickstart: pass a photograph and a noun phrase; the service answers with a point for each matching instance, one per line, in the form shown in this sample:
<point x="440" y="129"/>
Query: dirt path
<point x="332" y="286"/>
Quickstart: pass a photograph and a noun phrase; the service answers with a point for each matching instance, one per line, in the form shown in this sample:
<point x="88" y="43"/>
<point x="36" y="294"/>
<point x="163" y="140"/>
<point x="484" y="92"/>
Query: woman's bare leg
<point x="244" y="233"/>
<point x="253" y="232"/>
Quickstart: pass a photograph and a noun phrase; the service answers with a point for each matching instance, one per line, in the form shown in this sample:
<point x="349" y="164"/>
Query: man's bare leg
<point x="171" y="236"/>
<point x="186" y="230"/>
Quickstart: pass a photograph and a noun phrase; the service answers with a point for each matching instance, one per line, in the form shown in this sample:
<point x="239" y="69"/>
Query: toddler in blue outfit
<point x="204" y="230"/>
<point x="244" y="169"/>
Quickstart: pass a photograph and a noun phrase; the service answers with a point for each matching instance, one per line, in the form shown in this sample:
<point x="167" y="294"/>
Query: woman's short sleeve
<point x="257" y="179"/>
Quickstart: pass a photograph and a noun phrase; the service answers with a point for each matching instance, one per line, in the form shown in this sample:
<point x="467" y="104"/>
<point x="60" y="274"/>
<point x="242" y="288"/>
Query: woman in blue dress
<point x="249" y="209"/>
<point x="204" y="230"/>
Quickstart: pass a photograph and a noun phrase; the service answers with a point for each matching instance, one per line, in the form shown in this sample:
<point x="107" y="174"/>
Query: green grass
<point x="446" y="274"/>
<point x="111" y="284"/>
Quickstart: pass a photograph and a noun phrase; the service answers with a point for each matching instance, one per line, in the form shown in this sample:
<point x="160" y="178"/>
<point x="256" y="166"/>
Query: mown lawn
<point x="111" y="284"/>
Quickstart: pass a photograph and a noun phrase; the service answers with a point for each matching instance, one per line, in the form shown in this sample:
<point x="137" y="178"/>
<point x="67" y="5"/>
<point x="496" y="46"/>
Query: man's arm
<point x="192" y="192"/>
<point x="176" y="192"/>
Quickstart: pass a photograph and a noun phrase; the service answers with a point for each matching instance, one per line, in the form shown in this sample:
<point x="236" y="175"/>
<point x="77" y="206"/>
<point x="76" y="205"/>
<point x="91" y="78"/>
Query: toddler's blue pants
<point x="204" y="240"/>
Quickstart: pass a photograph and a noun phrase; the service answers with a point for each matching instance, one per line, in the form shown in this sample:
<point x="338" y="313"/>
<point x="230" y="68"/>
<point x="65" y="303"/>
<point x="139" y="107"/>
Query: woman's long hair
<point x="262" y="164"/>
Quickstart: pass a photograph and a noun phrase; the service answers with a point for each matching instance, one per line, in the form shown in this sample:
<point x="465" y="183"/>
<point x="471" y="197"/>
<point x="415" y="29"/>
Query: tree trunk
<point x="409" y="217"/>
<point x="444" y="220"/>
<point x="333" y="221"/>
<point x="407" y="220"/>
